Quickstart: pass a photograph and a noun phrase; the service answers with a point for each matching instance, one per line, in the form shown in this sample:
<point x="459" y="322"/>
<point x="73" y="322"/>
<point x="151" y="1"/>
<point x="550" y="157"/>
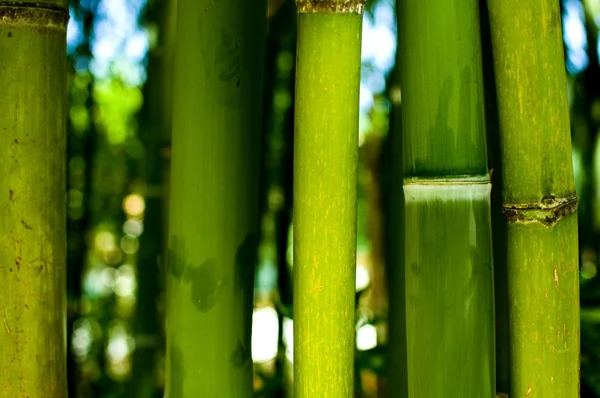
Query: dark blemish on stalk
<point x="18" y="261"/>
<point x="9" y="34"/>
<point x="464" y="111"/>
<point x="206" y="286"/>
<point x="10" y="194"/>
<point x="210" y="4"/>
<point x="415" y="268"/>
<point x="27" y="226"/>
<point x="227" y="58"/>
<point x="176" y="258"/>
<point x="440" y="126"/>
<point x="177" y="373"/>
<point x="16" y="141"/>
<point x="240" y="357"/>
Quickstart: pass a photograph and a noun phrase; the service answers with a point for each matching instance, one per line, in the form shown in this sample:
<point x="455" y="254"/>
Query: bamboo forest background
<point x="120" y="53"/>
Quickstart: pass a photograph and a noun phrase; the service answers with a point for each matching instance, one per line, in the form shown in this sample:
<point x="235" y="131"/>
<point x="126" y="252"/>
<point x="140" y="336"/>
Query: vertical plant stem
<point x="32" y="198"/>
<point x="449" y="275"/>
<point x="539" y="198"/>
<point x="214" y="197"/>
<point x="325" y="178"/>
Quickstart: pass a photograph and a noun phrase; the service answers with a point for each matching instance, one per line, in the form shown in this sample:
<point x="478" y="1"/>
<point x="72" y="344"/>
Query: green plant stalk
<point x="214" y="197"/>
<point x="539" y="198"/>
<point x="325" y="178"/>
<point x="448" y="257"/>
<point x="33" y="113"/>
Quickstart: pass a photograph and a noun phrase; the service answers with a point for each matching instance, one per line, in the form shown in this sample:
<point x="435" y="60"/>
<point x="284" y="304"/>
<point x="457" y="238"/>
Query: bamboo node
<point x="32" y="13"/>
<point x="330" y="6"/>
<point x="548" y="212"/>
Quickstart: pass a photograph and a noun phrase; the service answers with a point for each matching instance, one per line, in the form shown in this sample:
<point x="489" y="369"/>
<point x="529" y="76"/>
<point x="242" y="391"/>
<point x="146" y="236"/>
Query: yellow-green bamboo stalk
<point x="539" y="198"/>
<point x="325" y="166"/>
<point x="449" y="276"/>
<point x="33" y="99"/>
<point x="214" y="197"/>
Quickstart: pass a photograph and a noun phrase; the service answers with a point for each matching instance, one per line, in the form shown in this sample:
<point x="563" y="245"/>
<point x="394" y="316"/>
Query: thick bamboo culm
<point x="448" y="258"/>
<point x="325" y="178"/>
<point x="33" y="114"/>
<point x="214" y="182"/>
<point x="538" y="199"/>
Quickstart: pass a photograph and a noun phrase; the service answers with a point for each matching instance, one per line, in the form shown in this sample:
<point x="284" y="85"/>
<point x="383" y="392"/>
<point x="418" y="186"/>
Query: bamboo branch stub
<point x="547" y="214"/>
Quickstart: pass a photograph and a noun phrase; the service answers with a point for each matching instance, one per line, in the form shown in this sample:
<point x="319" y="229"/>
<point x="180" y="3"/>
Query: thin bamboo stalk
<point x="325" y="178"/>
<point x="32" y="198"/>
<point x="539" y="198"/>
<point x="214" y="197"/>
<point x="449" y="275"/>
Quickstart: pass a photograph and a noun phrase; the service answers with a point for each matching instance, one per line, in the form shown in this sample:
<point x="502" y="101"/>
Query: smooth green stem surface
<point x="448" y="254"/>
<point x="539" y="198"/>
<point x="449" y="296"/>
<point x="33" y="114"/>
<point x="214" y="197"/>
<point x="325" y="178"/>
<point x="441" y="82"/>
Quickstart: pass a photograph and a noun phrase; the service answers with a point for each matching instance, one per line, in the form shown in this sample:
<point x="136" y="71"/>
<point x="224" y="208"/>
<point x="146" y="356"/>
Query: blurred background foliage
<point x="120" y="53"/>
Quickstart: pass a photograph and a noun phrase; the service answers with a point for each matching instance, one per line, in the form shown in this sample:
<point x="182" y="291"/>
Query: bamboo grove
<point x="468" y="316"/>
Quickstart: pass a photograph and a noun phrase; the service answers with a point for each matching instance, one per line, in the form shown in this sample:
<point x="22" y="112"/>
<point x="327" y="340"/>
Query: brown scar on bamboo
<point x="547" y="212"/>
<point x="555" y="277"/>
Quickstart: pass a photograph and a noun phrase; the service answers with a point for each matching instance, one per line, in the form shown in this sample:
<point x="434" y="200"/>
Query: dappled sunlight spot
<point x="575" y="37"/>
<point x="362" y="277"/>
<point x="366" y="337"/>
<point x="288" y="338"/>
<point x="276" y="198"/>
<point x="265" y="330"/>
<point x="98" y="281"/>
<point x="129" y="245"/>
<point x="588" y="270"/>
<point x="588" y="263"/>
<point x="118" y="350"/>
<point x="105" y="241"/>
<point x="285" y="61"/>
<point x="126" y="283"/>
<point x="282" y="99"/>
<point x="82" y="338"/>
<point x="86" y="331"/>
<point x="365" y="98"/>
<point x="133" y="227"/>
<point x="134" y="205"/>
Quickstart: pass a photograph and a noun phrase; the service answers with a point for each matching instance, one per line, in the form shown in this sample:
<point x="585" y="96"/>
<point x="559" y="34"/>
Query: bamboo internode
<point x="33" y="114"/>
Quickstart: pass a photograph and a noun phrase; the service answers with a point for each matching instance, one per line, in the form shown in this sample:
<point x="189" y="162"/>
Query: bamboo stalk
<point x="449" y="275"/>
<point x="32" y="198"/>
<point x="539" y="198"/>
<point x="325" y="178"/>
<point x="214" y="197"/>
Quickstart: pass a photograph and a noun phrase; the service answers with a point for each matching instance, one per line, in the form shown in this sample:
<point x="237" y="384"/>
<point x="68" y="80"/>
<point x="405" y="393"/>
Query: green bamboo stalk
<point x="214" y="197"/>
<point x="539" y="198"/>
<point x="325" y="178"/>
<point x="33" y="110"/>
<point x="449" y="276"/>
